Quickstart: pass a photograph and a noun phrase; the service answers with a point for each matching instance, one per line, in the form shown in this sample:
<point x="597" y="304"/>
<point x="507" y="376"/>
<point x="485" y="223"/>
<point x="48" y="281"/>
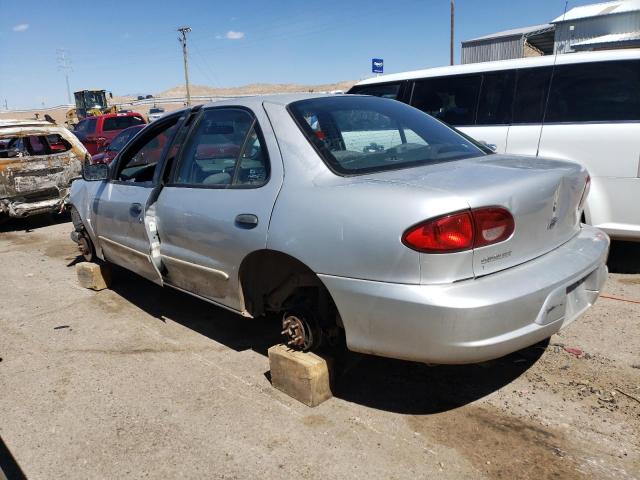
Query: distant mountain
<point x="255" y="89"/>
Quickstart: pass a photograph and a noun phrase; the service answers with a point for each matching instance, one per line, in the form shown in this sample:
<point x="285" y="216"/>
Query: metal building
<point x="516" y="43"/>
<point x="599" y="26"/>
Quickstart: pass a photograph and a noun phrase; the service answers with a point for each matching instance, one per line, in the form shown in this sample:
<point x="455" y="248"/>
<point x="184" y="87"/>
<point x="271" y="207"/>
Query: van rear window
<point x="595" y="92"/>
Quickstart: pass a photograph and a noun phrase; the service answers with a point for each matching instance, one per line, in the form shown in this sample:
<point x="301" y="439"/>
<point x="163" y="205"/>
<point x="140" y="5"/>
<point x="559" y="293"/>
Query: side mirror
<point x="490" y="146"/>
<point x="95" y="173"/>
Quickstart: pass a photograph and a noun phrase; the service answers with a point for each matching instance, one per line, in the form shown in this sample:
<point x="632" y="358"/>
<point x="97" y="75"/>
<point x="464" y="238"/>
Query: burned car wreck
<point x="38" y="161"/>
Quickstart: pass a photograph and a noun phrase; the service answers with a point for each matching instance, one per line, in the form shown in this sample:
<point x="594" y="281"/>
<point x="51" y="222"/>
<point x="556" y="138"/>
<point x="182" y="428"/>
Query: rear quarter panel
<point x="346" y="226"/>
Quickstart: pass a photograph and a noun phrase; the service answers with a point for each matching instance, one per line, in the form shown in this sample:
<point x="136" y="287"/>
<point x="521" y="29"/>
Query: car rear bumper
<point x="21" y="209"/>
<point x="479" y="319"/>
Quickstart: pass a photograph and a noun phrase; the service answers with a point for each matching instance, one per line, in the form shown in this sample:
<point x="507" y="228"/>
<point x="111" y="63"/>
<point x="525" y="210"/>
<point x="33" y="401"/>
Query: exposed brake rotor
<point x="298" y="332"/>
<point x="85" y="248"/>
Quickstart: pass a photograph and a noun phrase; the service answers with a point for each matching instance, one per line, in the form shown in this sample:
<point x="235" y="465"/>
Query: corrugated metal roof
<point x="516" y="32"/>
<point x="598" y="9"/>
<point x="611" y="38"/>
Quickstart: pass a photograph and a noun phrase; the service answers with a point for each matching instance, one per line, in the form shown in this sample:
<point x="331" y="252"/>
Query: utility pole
<point x="452" y="31"/>
<point x="64" y="64"/>
<point x="183" y="40"/>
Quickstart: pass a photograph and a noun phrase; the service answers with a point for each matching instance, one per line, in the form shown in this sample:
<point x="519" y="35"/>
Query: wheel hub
<point x="297" y="331"/>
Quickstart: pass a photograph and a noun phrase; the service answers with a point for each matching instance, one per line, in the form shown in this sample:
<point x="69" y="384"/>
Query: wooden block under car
<point x="301" y="375"/>
<point x="93" y="276"/>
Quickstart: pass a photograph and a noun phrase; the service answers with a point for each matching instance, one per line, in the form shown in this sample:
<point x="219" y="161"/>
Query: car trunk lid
<point x="542" y="195"/>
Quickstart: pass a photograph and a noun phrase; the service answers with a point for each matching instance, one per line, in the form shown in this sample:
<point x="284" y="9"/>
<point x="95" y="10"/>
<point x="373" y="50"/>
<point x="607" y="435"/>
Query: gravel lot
<point x="140" y="381"/>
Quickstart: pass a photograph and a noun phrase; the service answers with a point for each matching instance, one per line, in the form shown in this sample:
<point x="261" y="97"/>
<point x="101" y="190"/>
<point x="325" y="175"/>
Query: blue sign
<point x="377" y="65"/>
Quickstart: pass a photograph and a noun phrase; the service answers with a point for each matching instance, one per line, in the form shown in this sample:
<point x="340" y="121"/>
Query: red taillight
<point x="451" y="233"/>
<point x="492" y="225"/>
<point x="461" y="231"/>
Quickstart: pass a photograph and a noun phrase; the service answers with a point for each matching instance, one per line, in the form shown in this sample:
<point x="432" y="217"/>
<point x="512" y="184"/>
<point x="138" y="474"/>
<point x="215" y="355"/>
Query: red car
<point x="99" y="131"/>
<point x="108" y="153"/>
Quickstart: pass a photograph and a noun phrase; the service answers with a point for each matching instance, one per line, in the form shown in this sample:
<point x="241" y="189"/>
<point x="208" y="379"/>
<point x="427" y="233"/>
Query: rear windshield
<point x="86" y="126"/>
<point x="119" y="123"/>
<point x="356" y="135"/>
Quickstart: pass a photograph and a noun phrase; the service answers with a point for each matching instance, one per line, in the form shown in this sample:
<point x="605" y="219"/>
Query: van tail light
<point x="461" y="231"/>
<point x="585" y="193"/>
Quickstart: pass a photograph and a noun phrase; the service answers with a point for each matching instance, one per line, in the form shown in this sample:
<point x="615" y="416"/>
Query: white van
<point x="583" y="107"/>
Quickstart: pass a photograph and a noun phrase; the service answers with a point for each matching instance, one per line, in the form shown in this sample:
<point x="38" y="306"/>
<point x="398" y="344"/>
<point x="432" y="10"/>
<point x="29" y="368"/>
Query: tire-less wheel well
<point x="273" y="281"/>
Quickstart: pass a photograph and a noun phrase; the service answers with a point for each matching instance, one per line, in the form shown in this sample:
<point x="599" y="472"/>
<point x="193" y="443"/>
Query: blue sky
<point x="131" y="47"/>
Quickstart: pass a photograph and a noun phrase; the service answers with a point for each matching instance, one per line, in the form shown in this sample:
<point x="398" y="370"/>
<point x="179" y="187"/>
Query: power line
<point x="214" y="78"/>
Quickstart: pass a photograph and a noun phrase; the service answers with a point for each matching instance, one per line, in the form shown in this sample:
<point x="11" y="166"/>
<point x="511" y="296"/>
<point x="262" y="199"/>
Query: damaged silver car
<point x="38" y="161"/>
<point x="350" y="216"/>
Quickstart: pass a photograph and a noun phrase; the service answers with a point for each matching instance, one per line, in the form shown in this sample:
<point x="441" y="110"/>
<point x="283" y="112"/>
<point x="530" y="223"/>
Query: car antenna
<point x="553" y="71"/>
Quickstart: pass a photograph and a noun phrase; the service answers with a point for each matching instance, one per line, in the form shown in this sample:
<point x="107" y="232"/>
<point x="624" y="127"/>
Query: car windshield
<point x="156" y="110"/>
<point x="357" y="135"/>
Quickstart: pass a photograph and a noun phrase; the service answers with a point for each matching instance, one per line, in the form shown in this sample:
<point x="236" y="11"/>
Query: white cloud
<point x="21" y="27"/>
<point x="231" y="35"/>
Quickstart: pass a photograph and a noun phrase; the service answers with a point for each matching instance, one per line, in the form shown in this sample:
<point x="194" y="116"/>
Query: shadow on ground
<point x="624" y="257"/>
<point x="392" y="385"/>
<point x="8" y="464"/>
<point x="33" y="223"/>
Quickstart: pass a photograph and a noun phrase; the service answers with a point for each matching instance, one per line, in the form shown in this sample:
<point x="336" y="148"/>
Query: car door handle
<point x="135" y="209"/>
<point x="246" y="221"/>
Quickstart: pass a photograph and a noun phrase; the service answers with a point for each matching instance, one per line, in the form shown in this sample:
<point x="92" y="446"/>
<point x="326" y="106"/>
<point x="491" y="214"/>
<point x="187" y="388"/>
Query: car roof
<point x="255" y="101"/>
<point x="112" y="115"/>
<point x="6" y="123"/>
<point x="497" y="65"/>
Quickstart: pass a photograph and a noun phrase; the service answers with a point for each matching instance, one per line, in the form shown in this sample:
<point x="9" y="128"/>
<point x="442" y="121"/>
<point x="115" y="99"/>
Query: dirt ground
<point x="139" y="381"/>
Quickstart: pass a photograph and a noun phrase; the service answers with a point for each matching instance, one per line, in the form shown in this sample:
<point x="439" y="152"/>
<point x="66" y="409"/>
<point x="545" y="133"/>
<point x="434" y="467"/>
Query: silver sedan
<point x="358" y="219"/>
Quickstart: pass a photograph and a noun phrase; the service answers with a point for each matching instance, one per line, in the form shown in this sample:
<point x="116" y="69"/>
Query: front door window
<point x="138" y="164"/>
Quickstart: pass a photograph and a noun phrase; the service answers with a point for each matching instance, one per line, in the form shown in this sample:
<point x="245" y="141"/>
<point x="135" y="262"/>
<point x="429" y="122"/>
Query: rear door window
<point x="496" y="98"/>
<point x="453" y="100"/>
<point x="595" y="92"/>
<point x="387" y="90"/>
<point x="532" y="86"/>
<point x="120" y="123"/>
<point x="211" y="154"/>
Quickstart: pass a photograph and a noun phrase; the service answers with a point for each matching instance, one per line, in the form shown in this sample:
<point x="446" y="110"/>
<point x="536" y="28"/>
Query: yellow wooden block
<point x="303" y="376"/>
<point x="93" y="276"/>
